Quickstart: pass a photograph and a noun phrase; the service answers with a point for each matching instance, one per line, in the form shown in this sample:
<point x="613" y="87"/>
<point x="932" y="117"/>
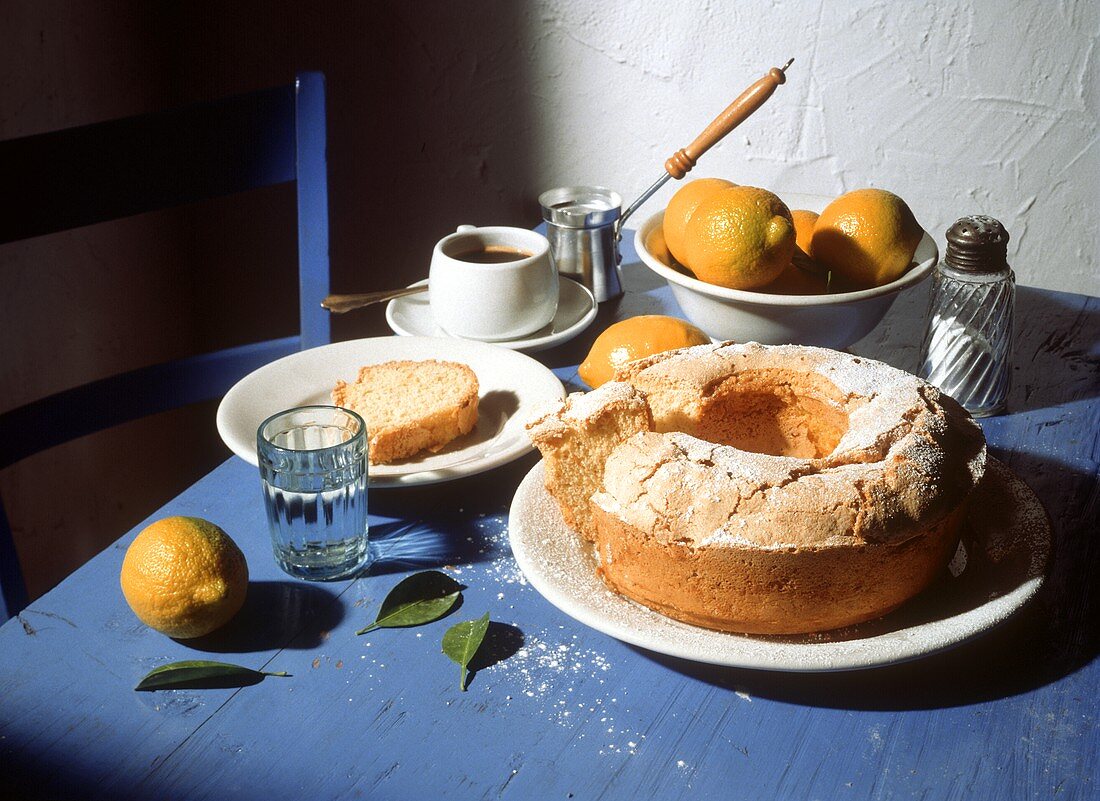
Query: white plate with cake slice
<point x="510" y="385"/>
<point x="998" y="568"/>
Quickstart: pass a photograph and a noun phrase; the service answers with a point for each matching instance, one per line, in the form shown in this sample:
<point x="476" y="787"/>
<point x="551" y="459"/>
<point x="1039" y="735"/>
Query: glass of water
<point x="313" y="466"/>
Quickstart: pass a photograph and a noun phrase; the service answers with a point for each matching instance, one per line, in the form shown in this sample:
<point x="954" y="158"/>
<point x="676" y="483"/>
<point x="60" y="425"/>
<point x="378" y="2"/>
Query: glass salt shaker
<point x="967" y="348"/>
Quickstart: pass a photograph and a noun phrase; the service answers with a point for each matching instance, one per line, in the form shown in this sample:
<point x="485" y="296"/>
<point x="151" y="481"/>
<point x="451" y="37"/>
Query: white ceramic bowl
<point x="831" y="321"/>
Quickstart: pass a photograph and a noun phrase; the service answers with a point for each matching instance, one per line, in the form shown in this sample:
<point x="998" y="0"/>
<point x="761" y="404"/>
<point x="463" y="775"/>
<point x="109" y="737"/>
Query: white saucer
<point x="511" y="385"/>
<point x="411" y="316"/>
<point x="999" y="567"/>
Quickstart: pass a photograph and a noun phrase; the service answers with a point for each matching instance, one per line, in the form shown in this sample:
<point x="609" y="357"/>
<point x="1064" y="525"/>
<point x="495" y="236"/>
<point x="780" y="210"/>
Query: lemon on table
<point x="184" y="576"/>
<point x="682" y="206"/>
<point x="741" y="237"/>
<point x="634" y="338"/>
<point x="866" y="237"/>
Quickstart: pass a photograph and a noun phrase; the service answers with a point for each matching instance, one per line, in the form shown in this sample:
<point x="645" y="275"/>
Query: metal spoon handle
<point x="338" y="304"/>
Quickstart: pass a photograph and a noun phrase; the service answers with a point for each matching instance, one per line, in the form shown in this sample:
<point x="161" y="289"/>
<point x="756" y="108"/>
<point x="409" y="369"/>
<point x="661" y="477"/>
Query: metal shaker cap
<point x="977" y="244"/>
<point x="580" y="206"/>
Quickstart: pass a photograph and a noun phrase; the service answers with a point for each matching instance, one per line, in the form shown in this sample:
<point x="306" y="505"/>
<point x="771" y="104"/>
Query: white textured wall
<point x="987" y="106"/>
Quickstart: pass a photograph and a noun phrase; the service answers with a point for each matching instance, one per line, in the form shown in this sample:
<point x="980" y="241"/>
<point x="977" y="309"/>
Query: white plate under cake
<point x="997" y="569"/>
<point x="769" y="490"/>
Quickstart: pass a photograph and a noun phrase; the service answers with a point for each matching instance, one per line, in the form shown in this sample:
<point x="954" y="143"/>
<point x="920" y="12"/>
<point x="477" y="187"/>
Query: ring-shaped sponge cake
<point x="764" y="489"/>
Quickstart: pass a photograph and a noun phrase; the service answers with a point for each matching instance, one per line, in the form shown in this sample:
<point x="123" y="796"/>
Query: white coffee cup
<point x="493" y="284"/>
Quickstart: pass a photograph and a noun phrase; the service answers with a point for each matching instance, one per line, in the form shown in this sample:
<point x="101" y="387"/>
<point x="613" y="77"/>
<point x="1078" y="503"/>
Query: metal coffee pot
<point x="584" y="223"/>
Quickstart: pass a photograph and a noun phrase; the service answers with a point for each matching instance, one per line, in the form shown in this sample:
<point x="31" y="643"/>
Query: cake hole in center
<point x="801" y="416"/>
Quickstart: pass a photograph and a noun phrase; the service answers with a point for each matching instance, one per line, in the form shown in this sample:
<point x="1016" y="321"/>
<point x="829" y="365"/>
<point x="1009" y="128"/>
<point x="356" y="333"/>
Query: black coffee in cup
<point x="493" y="254"/>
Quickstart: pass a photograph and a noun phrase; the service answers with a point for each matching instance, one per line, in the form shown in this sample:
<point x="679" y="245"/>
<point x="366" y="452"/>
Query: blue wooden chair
<point x="116" y="169"/>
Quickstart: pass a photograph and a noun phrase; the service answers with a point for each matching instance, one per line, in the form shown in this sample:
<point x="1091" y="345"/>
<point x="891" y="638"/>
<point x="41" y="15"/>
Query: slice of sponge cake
<point x="411" y="406"/>
<point x="576" y="436"/>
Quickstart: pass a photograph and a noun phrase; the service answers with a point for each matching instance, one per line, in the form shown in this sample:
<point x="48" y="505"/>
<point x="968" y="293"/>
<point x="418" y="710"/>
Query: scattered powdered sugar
<point x="856" y="375"/>
<point x="547" y="670"/>
<point x="502" y="568"/>
<point x="552" y="668"/>
<point x="543" y="415"/>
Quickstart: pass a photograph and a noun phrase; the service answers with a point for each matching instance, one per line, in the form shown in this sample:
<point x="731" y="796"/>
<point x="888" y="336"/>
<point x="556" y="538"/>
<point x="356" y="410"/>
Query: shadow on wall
<point x="429" y="127"/>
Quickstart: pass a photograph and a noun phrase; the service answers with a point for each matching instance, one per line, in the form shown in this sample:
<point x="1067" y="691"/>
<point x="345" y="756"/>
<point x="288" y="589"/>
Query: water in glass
<point x="313" y="464"/>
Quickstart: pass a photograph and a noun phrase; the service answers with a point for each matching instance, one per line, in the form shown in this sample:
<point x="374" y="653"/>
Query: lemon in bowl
<point x="739" y="238"/>
<point x="795" y="308"/>
<point x="866" y="237"/>
<point x="681" y="207"/>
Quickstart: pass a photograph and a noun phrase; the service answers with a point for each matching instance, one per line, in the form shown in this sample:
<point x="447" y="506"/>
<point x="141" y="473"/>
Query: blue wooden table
<point x="556" y="710"/>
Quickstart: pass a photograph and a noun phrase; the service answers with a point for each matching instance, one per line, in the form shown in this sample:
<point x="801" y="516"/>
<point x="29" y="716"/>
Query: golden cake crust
<point x="745" y="589"/>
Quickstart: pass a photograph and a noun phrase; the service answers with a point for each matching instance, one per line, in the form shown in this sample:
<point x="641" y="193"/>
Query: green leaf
<point x="416" y="600"/>
<point x="201" y="675"/>
<point x="461" y="642"/>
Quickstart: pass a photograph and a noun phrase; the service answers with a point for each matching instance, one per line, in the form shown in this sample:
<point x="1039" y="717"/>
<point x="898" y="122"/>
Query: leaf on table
<point x="416" y="600"/>
<point x="461" y="642"/>
<point x="202" y="675"/>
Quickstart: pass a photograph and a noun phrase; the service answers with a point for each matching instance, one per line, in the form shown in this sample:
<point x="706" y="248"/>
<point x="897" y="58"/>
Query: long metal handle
<point x="646" y="195"/>
<point x="338" y="304"/>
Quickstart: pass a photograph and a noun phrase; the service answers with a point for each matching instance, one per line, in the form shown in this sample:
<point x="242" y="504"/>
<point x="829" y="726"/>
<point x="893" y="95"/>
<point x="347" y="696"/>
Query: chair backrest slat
<point x="111" y="401"/>
<point x="313" y="272"/>
<point x="119" y="168"/>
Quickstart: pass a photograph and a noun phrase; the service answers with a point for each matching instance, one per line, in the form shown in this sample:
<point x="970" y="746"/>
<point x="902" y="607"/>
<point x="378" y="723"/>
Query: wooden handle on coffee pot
<point x="737" y="112"/>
